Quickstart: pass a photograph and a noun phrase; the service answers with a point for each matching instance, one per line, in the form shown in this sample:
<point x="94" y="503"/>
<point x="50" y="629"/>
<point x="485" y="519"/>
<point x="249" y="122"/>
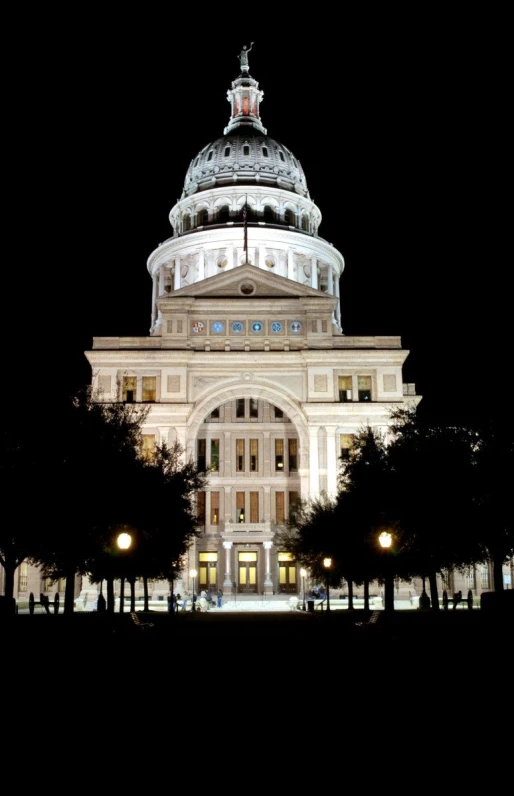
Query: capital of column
<point x="227" y="545"/>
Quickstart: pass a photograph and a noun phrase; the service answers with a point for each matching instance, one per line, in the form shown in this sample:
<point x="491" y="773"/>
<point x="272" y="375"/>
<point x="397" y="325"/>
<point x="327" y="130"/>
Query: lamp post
<point x="303" y="573"/>
<point x="386" y="540"/>
<point x="327" y="563"/>
<point x="123" y="540"/>
<point x="193" y="573"/>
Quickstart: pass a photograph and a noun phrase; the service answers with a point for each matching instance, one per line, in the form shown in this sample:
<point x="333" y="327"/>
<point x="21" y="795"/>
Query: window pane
<point x="293" y="455"/>
<point x="254" y="407"/>
<point x="240" y="455"/>
<point x="279" y="454"/>
<point x="215" y="508"/>
<point x="240" y="407"/>
<point x="200" y="447"/>
<point x="254" y="455"/>
<point x="345" y="388"/>
<point x="215" y="455"/>
<point x="149" y="388"/>
<point x="279" y="508"/>
<point x="200" y="508"/>
<point x="129" y="389"/>
<point x="240" y="506"/>
<point x="254" y="507"/>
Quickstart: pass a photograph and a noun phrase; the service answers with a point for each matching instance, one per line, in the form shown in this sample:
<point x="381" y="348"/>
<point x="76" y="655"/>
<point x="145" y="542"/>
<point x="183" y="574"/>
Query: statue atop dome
<point x="243" y="57"/>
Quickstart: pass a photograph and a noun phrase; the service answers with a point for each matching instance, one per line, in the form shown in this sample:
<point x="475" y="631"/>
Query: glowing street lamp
<point x="327" y="563"/>
<point x="124" y="541"/>
<point x="386" y="539"/>
<point x="303" y="573"/>
<point x="193" y="573"/>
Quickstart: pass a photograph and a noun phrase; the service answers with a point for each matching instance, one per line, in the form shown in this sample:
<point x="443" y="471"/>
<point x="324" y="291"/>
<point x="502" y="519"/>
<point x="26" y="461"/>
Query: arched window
<point x="305" y="223"/>
<point x="282" y="158"/>
<point x="203" y="217"/>
<point x="210" y="155"/>
<point x="246" y="151"/>
<point x="289" y="218"/>
<point x="227" y="151"/>
<point x="269" y="215"/>
<point x="186" y="222"/>
<point x="223" y="214"/>
<point x="264" y="151"/>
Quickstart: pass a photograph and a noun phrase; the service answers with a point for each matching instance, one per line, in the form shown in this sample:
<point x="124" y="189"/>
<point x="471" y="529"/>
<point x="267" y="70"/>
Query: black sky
<point x="402" y="139"/>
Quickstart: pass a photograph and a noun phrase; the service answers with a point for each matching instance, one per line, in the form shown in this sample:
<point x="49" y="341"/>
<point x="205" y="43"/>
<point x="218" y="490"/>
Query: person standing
<point x="220" y="598"/>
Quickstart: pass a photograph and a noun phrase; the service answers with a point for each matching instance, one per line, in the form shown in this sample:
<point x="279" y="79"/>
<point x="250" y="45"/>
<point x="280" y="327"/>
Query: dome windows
<point x="289" y="218"/>
<point x="203" y="217"/>
<point x="269" y="215"/>
<point x="265" y="152"/>
<point x="209" y="156"/>
<point x="246" y="151"/>
<point x="223" y="214"/>
<point x="281" y="155"/>
<point x="227" y="151"/>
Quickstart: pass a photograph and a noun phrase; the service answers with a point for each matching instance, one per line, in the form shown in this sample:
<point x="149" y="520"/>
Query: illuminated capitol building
<point x="246" y="363"/>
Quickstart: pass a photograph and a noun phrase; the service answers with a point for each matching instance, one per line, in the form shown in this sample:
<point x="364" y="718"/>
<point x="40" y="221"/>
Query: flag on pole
<point x="245" y="247"/>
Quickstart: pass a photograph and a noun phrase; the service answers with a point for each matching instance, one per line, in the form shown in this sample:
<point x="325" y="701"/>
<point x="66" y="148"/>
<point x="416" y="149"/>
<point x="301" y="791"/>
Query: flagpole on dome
<point x="245" y="247"/>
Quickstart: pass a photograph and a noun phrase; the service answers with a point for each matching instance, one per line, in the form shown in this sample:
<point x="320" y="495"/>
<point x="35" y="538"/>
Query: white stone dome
<point x="245" y="156"/>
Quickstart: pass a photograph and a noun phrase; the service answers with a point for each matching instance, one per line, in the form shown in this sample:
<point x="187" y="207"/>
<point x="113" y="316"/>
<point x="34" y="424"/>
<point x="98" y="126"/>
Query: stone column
<point x="290" y="264"/>
<point x="268" y="582"/>
<point x="154" y="299"/>
<point x="313" y="461"/>
<point x="201" y="265"/>
<point x="161" y="281"/>
<point x="338" y="305"/>
<point x="332" y="463"/>
<point x="227" y="582"/>
<point x="230" y="257"/>
<point x="176" y="284"/>
<point x="262" y="257"/>
<point x="330" y="280"/>
<point x="314" y="274"/>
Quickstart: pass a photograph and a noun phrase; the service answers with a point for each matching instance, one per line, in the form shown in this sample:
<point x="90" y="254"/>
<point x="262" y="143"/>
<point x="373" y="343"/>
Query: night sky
<point x="402" y="140"/>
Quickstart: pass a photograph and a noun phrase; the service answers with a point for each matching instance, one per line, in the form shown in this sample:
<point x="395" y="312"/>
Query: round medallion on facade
<point x="237" y="327"/>
<point x="197" y="327"/>
<point x="218" y="327"/>
<point x="295" y="327"/>
<point x="276" y="327"/>
<point x="247" y="288"/>
<point x="256" y="327"/>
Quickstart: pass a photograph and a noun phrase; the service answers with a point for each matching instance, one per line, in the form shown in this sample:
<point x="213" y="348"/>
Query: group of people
<point x="205" y="602"/>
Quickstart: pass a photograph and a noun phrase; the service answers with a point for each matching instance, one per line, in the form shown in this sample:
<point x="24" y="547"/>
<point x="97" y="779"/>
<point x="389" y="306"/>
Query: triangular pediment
<point x="246" y="281"/>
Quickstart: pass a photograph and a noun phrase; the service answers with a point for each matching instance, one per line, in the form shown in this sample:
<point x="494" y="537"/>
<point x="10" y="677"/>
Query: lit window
<point x="293" y="455"/>
<point x="240" y="506"/>
<point x="345" y="445"/>
<point x="148" y="447"/>
<point x="240" y="455"/>
<point x="149" y="389"/>
<point x="279" y="508"/>
<point x="254" y="507"/>
<point x="129" y="389"/>
<point x="279" y="455"/>
<point x="364" y="388"/>
<point x="345" y="388"/>
<point x="215" y="508"/>
<point x="254" y="455"/>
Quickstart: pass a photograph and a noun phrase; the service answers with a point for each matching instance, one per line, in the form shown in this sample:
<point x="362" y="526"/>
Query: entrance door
<point x="287" y="574"/>
<point x="247" y="573"/>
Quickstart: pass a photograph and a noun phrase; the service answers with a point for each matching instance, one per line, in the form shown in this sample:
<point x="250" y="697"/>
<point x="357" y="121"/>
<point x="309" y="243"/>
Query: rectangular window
<point x="279" y="455"/>
<point x="240" y="455"/>
<point x="129" y="389"/>
<point x="215" y="455"/>
<point x="215" y="508"/>
<point x="200" y="454"/>
<point x="345" y="446"/>
<point x="279" y="508"/>
<point x="200" y="508"/>
<point x="254" y="407"/>
<point x="324" y="326"/>
<point x="240" y="407"/>
<point x="314" y="326"/>
<point x="254" y="507"/>
<point x="179" y="327"/>
<point x="148" y="447"/>
<point x="240" y="506"/>
<point x="293" y="455"/>
<point x="484" y="577"/>
<point x="254" y="455"/>
<point x="294" y="500"/>
<point x="345" y="389"/>
<point x="149" y="389"/>
<point x="364" y="388"/>
<point x="23" y="570"/>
